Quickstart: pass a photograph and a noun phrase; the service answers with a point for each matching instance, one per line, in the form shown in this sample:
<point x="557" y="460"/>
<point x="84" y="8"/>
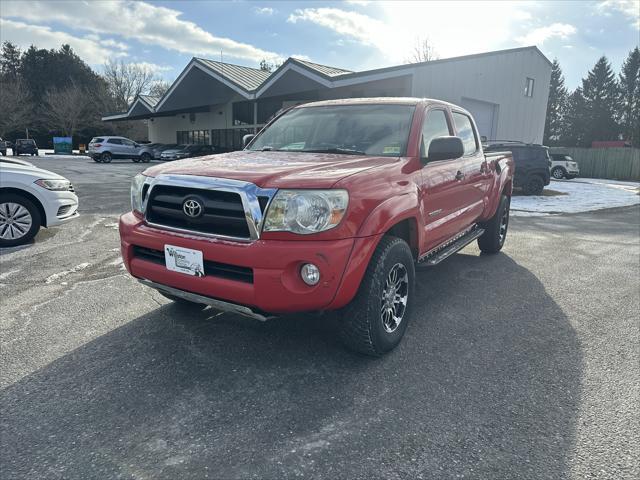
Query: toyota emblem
<point x="192" y="208"/>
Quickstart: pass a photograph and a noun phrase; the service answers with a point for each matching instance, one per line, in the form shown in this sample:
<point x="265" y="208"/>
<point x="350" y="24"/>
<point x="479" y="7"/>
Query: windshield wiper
<point x="345" y="151"/>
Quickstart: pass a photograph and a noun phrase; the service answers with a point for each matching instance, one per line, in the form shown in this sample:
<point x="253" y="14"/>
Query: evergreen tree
<point x="575" y="121"/>
<point x="630" y="97"/>
<point x="556" y="106"/>
<point x="9" y="61"/>
<point x="601" y="94"/>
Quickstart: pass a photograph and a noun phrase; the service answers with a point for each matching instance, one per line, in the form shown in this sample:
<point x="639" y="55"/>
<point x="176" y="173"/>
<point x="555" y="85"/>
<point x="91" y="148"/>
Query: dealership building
<point x="218" y="103"/>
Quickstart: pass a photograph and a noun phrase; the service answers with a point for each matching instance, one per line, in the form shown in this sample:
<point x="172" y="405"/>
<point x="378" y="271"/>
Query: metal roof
<point x="323" y="69"/>
<point x="246" y="78"/>
<point x="149" y="100"/>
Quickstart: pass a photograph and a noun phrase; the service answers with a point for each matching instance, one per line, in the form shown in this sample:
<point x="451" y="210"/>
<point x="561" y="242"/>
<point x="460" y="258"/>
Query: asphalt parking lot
<point x="518" y="365"/>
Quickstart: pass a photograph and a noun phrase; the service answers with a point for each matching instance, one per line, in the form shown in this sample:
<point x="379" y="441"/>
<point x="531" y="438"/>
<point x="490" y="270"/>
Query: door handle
<point x="459" y="175"/>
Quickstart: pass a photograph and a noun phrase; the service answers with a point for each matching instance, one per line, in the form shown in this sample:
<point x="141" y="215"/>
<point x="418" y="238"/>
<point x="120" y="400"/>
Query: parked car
<point x="532" y="163"/>
<point x="563" y="166"/>
<point x="3" y="147"/>
<point x="157" y="151"/>
<point x="187" y="151"/>
<point x="25" y="146"/>
<point x="31" y="198"/>
<point x="330" y="207"/>
<point x="106" y="148"/>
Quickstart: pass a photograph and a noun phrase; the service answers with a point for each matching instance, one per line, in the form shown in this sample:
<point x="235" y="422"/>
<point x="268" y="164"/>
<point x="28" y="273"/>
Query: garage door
<point x="485" y="115"/>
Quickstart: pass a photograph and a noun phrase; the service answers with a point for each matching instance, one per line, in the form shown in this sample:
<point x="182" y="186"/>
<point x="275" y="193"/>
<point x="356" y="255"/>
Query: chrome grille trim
<point x="247" y="191"/>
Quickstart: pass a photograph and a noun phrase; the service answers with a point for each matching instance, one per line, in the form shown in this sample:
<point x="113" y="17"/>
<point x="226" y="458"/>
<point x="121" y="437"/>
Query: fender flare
<point x="388" y="213"/>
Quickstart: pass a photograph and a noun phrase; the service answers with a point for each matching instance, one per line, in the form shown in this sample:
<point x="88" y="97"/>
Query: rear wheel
<point x="375" y="321"/>
<point x="534" y="186"/>
<point x="106" y="157"/>
<point x="558" y="173"/>
<point x="495" y="230"/>
<point x="19" y="220"/>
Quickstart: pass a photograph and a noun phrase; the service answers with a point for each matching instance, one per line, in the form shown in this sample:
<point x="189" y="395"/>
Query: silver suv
<point x="104" y="149"/>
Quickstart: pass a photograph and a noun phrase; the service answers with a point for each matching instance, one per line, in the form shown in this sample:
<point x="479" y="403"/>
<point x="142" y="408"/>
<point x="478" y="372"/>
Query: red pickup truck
<point x="332" y="206"/>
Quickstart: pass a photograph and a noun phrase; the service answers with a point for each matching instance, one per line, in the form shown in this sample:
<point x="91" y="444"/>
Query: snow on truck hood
<point x="275" y="169"/>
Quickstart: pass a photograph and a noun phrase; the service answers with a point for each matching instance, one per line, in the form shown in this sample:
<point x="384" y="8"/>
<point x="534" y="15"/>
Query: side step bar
<point x="438" y="254"/>
<point x="216" y="304"/>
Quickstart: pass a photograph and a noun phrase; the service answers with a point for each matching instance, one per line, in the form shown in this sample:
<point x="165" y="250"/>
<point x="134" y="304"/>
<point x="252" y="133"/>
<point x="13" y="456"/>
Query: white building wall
<point x="163" y="129"/>
<point x="498" y="79"/>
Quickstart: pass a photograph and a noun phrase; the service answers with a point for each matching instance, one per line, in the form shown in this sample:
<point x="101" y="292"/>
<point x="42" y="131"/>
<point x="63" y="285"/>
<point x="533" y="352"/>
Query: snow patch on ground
<point x="64" y="273"/>
<point x="584" y="195"/>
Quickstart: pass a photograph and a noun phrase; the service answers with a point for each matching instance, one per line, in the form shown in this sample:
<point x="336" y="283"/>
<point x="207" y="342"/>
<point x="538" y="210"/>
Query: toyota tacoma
<point x="332" y="206"/>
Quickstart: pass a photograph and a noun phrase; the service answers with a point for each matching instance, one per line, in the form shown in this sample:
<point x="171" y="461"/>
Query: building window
<point x="242" y="113"/>
<point x="528" y="87"/>
<point x="193" y="137"/>
<point x="229" y="139"/>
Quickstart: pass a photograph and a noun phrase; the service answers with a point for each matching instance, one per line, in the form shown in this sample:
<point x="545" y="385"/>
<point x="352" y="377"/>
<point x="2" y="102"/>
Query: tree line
<point x="603" y="107"/>
<point x="55" y="93"/>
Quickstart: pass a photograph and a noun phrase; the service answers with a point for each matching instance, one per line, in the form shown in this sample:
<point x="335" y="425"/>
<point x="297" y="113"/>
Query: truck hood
<point x="275" y="169"/>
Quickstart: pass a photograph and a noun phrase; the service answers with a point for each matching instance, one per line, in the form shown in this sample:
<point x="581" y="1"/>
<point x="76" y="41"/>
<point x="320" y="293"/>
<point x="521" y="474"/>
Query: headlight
<point x="55" y="185"/>
<point x="306" y="211"/>
<point x="136" y="192"/>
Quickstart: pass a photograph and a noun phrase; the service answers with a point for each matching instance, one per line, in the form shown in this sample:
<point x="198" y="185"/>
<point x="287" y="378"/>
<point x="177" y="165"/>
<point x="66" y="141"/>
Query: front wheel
<point x="19" y="220"/>
<point x="145" y="157"/>
<point x="495" y="230"/>
<point x="375" y="321"/>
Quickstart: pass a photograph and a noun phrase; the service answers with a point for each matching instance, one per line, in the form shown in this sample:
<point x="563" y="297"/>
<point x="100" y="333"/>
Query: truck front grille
<point x="214" y="269"/>
<point x="223" y="212"/>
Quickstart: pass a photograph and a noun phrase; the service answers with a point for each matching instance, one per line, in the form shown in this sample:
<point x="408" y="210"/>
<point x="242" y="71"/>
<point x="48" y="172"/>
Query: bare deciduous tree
<point x="159" y="88"/>
<point x="67" y="108"/>
<point x="423" y="51"/>
<point x="128" y="80"/>
<point x="16" y="106"/>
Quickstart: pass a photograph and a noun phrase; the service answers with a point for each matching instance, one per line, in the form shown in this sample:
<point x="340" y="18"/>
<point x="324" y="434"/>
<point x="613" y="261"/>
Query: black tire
<point x="145" y="158"/>
<point x="106" y="157"/>
<point x="135" y="159"/>
<point x="495" y="230"/>
<point x="534" y="186"/>
<point x="36" y="219"/>
<point x="559" y="173"/>
<point x="97" y="159"/>
<point x="361" y="326"/>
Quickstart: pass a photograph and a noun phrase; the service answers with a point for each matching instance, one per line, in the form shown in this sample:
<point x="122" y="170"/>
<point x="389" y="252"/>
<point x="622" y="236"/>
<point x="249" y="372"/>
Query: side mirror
<point x="247" y="139"/>
<point x="444" y="148"/>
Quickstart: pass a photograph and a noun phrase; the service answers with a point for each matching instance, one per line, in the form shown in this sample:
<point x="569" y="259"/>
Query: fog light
<point x="310" y="274"/>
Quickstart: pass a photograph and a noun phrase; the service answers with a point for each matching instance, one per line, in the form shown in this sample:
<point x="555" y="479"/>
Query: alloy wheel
<point x="395" y="294"/>
<point x="15" y="221"/>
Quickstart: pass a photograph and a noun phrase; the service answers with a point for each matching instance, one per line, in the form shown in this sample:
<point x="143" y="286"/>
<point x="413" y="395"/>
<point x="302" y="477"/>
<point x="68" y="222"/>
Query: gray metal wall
<point x="498" y="79"/>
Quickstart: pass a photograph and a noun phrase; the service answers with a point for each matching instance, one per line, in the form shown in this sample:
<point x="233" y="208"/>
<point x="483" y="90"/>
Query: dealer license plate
<point x="184" y="260"/>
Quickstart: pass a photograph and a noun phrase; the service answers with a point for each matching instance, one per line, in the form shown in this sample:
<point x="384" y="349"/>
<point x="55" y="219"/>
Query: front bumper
<point x="60" y="207"/>
<point x="276" y="286"/>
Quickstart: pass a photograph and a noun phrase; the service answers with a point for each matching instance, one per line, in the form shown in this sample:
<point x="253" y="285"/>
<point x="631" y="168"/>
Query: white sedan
<point x="30" y="198"/>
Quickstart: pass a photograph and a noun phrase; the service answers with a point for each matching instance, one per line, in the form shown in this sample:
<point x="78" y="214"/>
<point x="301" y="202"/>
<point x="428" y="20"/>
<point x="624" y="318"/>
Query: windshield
<point x="381" y="130"/>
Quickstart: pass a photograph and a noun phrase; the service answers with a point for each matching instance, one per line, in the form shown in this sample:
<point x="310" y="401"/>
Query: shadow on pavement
<point x="486" y="384"/>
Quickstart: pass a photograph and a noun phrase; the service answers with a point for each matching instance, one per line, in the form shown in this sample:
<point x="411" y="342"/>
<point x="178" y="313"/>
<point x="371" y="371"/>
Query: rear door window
<point x="466" y="132"/>
<point x="115" y="141"/>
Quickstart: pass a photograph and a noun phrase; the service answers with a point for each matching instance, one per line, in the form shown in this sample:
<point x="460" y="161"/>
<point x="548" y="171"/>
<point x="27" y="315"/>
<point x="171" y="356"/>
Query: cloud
<point x="538" y="36"/>
<point x="153" y="67"/>
<point x="93" y="50"/>
<point x="264" y="11"/>
<point x="146" y="23"/>
<point x="629" y="8"/>
<point x="454" y="28"/>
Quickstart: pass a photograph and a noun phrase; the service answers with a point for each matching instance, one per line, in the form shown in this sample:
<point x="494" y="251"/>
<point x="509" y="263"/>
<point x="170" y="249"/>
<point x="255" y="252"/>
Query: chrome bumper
<point x="212" y="302"/>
